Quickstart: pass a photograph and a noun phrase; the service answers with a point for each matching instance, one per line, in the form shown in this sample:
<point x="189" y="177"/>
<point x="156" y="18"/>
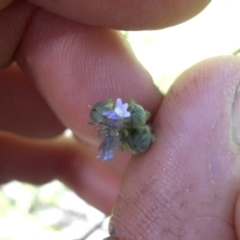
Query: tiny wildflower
<point x="106" y="155"/>
<point x="122" y="127"/>
<point x="120" y="111"/>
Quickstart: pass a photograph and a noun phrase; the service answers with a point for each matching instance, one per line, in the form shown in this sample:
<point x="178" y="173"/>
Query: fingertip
<point x="74" y="66"/>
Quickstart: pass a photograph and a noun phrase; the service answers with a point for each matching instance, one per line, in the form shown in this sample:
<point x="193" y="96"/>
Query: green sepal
<point x="148" y="114"/>
<point x="140" y="139"/>
<point x="132" y="102"/>
<point x="97" y="110"/>
<point x="110" y="100"/>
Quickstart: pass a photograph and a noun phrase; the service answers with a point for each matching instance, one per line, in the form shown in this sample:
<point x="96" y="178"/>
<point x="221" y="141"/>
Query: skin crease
<point x="186" y="185"/>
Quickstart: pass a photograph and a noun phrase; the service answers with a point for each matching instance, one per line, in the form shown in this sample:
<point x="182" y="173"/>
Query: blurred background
<point x="53" y="211"/>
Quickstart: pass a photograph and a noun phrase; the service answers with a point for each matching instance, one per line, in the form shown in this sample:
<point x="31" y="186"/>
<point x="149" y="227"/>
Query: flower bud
<point x="140" y="139"/>
<point x="97" y="110"/>
<point x="138" y="115"/>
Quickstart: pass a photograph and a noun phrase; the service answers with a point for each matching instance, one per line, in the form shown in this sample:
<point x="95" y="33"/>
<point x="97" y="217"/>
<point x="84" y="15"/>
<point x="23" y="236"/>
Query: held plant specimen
<point x="122" y="127"/>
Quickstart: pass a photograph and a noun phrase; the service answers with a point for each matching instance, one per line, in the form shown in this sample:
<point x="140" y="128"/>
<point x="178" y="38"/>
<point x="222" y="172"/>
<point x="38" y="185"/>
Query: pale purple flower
<point x="120" y="111"/>
<point x="107" y="147"/>
<point x="106" y="155"/>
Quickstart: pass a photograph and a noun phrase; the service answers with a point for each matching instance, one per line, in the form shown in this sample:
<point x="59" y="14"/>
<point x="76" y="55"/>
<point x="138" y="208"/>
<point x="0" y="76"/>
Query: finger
<point x="125" y="14"/>
<point x="13" y="21"/>
<point x="75" y="65"/>
<point x="38" y="161"/>
<point x="186" y="185"/>
<point x="22" y="109"/>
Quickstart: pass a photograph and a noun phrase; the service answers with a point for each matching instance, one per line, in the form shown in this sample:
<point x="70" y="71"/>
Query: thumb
<point x="186" y="185"/>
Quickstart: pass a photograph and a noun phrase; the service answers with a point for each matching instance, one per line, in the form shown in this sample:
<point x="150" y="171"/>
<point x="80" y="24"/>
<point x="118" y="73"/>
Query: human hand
<point x="170" y="191"/>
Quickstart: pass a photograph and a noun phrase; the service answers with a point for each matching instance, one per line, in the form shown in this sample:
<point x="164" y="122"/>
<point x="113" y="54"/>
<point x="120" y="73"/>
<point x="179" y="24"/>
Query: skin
<point x="54" y="65"/>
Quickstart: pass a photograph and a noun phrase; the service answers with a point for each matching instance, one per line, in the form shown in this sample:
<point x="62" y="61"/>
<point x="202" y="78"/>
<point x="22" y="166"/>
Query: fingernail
<point x="236" y="116"/>
<point x="5" y="3"/>
<point x="111" y="228"/>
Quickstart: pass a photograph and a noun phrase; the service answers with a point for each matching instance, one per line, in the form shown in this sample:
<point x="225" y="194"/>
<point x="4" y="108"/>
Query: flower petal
<point x="118" y="102"/>
<point x="119" y="112"/>
<point x="107" y="155"/>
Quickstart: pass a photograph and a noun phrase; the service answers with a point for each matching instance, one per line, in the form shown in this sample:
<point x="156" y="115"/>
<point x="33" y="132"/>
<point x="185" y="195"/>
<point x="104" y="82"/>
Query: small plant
<point x="122" y="127"/>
